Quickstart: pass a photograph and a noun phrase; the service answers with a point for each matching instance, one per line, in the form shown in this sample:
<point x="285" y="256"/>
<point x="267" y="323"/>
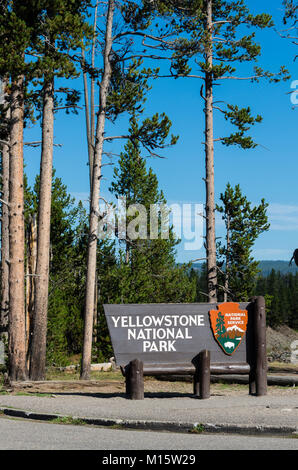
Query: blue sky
<point x="269" y="171"/>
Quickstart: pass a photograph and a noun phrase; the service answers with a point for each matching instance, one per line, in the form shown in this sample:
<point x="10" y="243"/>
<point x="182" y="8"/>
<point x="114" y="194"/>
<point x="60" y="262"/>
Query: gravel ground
<point x="279" y="343"/>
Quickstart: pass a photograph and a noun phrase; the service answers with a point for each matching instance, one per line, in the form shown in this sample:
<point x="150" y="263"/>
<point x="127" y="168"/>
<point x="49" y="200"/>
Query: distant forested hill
<point x="267" y="266"/>
<point x="282" y="266"/>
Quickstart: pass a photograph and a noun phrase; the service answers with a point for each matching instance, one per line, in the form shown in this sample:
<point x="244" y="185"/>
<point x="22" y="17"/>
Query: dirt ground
<point x="114" y="383"/>
<point x="152" y="387"/>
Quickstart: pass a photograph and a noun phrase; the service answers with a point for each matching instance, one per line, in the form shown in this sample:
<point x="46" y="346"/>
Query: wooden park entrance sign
<point x="198" y="339"/>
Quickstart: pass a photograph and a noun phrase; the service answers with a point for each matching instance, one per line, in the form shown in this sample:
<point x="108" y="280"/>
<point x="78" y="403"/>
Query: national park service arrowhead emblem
<point x="228" y="325"/>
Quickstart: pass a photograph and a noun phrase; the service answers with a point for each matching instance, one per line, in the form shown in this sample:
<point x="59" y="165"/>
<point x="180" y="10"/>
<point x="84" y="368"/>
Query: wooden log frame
<point x="200" y="370"/>
<point x="190" y="369"/>
<point x="201" y="367"/>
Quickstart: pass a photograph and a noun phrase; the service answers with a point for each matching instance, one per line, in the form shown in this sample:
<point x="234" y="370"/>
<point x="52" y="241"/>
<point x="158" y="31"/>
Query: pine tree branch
<point x="144" y="56"/>
<point x="3" y="142"/>
<point x="179" y="75"/>
<point x="5" y="202"/>
<point x="221" y="22"/>
<point x="219" y="109"/>
<point x="39" y="142"/>
<point x="201" y="93"/>
<point x="225" y="289"/>
<point x="67" y="107"/>
<point x="203" y="293"/>
<point x="116" y="137"/>
<point x="151" y="153"/>
<point x="160" y="39"/>
<point x="253" y="77"/>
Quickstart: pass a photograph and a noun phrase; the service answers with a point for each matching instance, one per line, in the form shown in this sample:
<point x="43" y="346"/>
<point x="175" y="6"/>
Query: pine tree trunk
<point x="38" y="352"/>
<point x="209" y="162"/>
<point x="94" y="204"/>
<point x="95" y="313"/>
<point x="227" y="261"/>
<point x="17" y="345"/>
<point x="87" y="115"/>
<point x="89" y="108"/>
<point x="31" y="245"/>
<point x="90" y="130"/>
<point x="5" y="233"/>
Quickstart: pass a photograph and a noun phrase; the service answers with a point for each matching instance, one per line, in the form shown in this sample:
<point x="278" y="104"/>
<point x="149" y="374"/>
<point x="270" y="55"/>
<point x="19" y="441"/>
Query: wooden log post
<point x="258" y="372"/>
<point x="126" y="373"/>
<point x="202" y="376"/>
<point x="260" y="347"/>
<point x="196" y="383"/>
<point x="135" y="380"/>
<point x="252" y="381"/>
<point x="252" y="360"/>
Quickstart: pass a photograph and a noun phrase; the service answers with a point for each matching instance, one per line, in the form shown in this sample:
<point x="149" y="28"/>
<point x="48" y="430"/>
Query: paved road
<point x="17" y="434"/>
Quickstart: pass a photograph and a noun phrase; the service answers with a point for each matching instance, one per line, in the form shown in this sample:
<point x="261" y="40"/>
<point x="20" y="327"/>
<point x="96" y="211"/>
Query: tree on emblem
<point x="220" y="325"/>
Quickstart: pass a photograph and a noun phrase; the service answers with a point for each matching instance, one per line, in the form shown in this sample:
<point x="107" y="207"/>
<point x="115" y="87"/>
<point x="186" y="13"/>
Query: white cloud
<point x="272" y="254"/>
<point x="283" y="217"/>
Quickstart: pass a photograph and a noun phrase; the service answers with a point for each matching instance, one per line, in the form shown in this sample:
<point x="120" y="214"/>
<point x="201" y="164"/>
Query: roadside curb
<point x="170" y="426"/>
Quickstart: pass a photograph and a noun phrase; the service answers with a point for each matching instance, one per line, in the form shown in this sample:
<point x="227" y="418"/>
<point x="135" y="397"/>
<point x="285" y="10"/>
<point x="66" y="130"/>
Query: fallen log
<point x="285" y="380"/>
<point x="56" y="386"/>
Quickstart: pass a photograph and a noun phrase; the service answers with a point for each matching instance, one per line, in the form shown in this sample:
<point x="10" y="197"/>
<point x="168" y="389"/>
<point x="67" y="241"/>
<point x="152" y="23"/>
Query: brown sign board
<point x="176" y="333"/>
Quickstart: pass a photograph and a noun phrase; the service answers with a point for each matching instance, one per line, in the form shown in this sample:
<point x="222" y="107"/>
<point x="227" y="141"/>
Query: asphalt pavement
<point x="27" y="435"/>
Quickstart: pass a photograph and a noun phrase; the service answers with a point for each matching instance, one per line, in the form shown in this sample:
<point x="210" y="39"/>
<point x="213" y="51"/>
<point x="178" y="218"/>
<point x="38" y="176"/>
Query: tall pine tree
<point x="148" y="270"/>
<point x="243" y="226"/>
<point x="211" y="44"/>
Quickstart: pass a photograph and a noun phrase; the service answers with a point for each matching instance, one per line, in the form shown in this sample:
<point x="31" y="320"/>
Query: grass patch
<point x="227" y="386"/>
<point x="35" y="394"/>
<point x="198" y="429"/>
<point x="55" y="374"/>
<point x="25" y="394"/>
<point x="116" y="426"/>
<point x="68" y="420"/>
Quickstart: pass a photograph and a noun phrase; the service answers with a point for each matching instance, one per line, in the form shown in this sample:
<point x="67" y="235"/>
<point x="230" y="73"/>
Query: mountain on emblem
<point x="228" y="324"/>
